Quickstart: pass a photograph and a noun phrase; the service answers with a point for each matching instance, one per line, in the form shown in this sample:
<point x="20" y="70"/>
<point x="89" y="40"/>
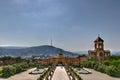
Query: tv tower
<point x="51" y="42"/>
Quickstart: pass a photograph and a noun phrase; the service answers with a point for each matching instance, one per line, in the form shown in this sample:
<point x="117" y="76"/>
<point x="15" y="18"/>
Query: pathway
<point x="60" y="74"/>
<point x="97" y="76"/>
<point x="23" y="76"/>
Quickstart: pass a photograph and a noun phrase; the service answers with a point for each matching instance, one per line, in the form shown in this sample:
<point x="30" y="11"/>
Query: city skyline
<point x="72" y="25"/>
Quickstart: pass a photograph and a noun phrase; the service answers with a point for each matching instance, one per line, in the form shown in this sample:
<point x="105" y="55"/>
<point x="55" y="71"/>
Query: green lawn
<point x="1" y="70"/>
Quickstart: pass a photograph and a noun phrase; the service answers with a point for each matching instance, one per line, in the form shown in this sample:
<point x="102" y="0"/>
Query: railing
<point x="50" y="74"/>
<point x="47" y="75"/>
<point x="72" y="74"/>
<point x="69" y="73"/>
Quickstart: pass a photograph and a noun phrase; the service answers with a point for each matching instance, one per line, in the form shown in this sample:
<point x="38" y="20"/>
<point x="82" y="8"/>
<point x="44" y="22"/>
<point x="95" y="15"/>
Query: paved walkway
<point x="23" y="76"/>
<point x="60" y="74"/>
<point x="97" y="76"/>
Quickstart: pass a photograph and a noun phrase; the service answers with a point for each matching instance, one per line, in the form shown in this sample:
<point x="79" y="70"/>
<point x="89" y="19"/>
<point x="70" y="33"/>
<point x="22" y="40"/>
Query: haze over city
<point x="72" y="24"/>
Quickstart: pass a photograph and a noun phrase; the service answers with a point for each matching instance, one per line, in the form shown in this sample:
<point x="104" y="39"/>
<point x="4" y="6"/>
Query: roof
<point x="60" y="52"/>
<point x="99" y="39"/>
<point x="83" y="55"/>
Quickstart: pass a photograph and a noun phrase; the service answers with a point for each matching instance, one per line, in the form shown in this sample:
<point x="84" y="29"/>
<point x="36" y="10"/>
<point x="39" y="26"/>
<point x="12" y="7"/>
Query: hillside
<point x="43" y="51"/>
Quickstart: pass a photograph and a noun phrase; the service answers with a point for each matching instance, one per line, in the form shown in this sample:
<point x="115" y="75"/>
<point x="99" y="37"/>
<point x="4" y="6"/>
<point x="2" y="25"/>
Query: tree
<point x="106" y="62"/>
<point x="8" y="71"/>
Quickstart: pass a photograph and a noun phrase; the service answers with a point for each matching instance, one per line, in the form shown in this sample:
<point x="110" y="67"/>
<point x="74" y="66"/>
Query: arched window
<point x="101" y="54"/>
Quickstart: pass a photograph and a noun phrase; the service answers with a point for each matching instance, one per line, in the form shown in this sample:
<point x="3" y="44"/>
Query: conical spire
<point x="99" y="39"/>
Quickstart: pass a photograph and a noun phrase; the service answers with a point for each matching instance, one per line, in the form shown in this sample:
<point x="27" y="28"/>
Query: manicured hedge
<point x="73" y="73"/>
<point x="10" y="70"/>
<point x="111" y="70"/>
<point x="47" y="73"/>
<point x="44" y="74"/>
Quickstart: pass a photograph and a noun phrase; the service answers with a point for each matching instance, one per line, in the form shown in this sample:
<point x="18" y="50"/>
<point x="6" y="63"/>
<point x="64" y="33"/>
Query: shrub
<point x="113" y="71"/>
<point x="8" y="71"/>
<point x="96" y="66"/>
<point x="115" y="62"/>
<point x="111" y="68"/>
<point x="18" y="68"/>
<point x="106" y="62"/>
<point x="119" y="66"/>
<point x="44" y="74"/>
<point x="101" y="68"/>
<point x="24" y="65"/>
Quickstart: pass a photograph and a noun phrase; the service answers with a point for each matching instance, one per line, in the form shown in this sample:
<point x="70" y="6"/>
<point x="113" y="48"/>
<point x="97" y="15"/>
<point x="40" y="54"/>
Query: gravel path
<point x="97" y="76"/>
<point x="60" y="74"/>
<point x="23" y="76"/>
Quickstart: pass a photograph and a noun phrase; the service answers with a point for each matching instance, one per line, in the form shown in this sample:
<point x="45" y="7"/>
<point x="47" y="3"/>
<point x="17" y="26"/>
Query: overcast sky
<point x="72" y="24"/>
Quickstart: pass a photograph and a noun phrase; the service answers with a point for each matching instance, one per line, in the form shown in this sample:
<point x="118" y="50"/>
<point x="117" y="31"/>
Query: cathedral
<point x="99" y="54"/>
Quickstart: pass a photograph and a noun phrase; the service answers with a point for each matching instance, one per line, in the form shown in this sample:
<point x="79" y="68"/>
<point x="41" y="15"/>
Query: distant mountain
<point x="42" y="51"/>
<point x="82" y="52"/>
<point x="116" y="53"/>
<point x="12" y="47"/>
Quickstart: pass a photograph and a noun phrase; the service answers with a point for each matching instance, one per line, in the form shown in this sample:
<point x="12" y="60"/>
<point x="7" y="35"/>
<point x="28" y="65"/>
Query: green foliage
<point x="1" y="71"/>
<point x="119" y="66"/>
<point x="111" y="68"/>
<point x="18" y="68"/>
<point x="96" y="66"/>
<point x="8" y="71"/>
<point x="6" y="57"/>
<point x="32" y="64"/>
<point x="76" y="66"/>
<point x="113" y="71"/>
<point x="106" y="62"/>
<point x="89" y="64"/>
<point x="112" y="62"/>
<point x="115" y="62"/>
<point x="101" y="68"/>
<point x="114" y="57"/>
<point x="73" y="73"/>
<point x="18" y="59"/>
<point x="44" y="74"/>
<point x="25" y="65"/>
<point x="8" y="60"/>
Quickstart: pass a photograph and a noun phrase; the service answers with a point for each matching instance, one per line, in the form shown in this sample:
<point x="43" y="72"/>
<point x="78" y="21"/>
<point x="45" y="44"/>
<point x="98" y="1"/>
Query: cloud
<point x="44" y="11"/>
<point x="31" y="1"/>
<point x="20" y="1"/>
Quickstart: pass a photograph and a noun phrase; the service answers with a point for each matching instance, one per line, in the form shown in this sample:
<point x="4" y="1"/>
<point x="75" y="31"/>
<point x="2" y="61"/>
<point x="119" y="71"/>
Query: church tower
<point x="99" y="54"/>
<point x="99" y="44"/>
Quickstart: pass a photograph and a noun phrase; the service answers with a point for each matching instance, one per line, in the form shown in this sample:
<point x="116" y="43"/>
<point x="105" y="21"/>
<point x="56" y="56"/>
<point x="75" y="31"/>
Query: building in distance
<point x="99" y="54"/>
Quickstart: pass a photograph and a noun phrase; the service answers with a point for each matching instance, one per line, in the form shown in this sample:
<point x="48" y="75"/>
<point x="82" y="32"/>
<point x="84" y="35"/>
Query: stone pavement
<point x="60" y="74"/>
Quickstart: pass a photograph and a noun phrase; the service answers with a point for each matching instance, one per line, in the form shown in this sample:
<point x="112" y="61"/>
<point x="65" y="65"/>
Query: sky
<point x="72" y="25"/>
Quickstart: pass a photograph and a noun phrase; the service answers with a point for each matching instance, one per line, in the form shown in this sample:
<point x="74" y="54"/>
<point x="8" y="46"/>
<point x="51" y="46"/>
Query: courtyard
<point x="60" y="74"/>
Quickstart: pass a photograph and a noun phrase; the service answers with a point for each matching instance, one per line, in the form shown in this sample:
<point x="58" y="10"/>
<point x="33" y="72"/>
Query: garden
<point x="9" y="70"/>
<point x="110" y="67"/>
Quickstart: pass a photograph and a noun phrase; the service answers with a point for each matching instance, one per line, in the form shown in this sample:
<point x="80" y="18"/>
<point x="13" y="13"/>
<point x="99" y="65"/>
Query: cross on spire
<point x="98" y="35"/>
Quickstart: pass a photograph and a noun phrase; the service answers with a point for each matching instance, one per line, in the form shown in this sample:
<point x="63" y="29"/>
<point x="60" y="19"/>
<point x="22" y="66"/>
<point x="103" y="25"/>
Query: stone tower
<point x="99" y="53"/>
<point x="60" y="54"/>
<point x="99" y="44"/>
